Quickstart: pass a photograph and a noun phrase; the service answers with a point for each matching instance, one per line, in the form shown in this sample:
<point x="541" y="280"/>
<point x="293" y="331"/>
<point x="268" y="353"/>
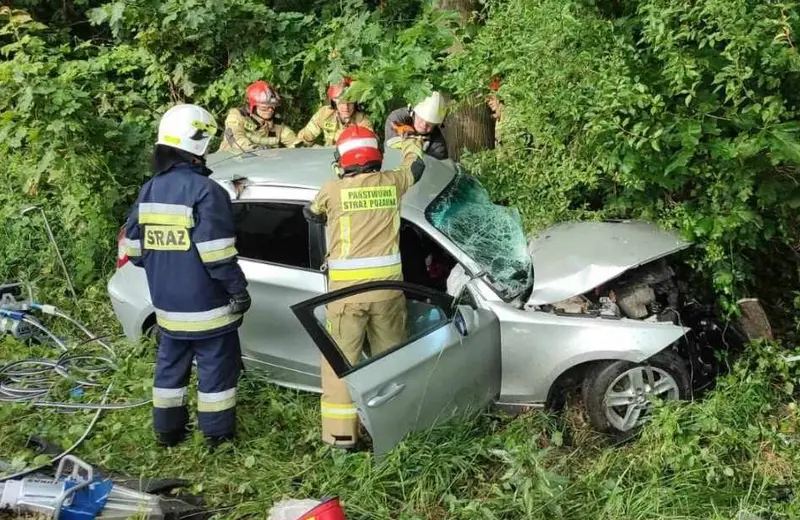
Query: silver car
<point x="493" y="317"/>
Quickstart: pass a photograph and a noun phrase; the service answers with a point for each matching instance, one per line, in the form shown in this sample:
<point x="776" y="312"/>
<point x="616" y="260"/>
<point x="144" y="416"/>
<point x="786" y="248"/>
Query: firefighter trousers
<point x="218" y="369"/>
<point x="384" y="325"/>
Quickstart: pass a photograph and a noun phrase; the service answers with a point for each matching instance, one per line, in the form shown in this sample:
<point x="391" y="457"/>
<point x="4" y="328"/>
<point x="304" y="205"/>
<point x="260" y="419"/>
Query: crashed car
<point x="493" y="316"/>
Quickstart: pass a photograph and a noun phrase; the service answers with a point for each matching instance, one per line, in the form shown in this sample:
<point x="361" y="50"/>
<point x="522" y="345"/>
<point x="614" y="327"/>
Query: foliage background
<point x="669" y="110"/>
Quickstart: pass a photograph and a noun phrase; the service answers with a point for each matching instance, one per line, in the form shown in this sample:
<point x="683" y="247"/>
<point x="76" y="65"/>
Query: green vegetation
<point x="681" y="112"/>
<point x="734" y="451"/>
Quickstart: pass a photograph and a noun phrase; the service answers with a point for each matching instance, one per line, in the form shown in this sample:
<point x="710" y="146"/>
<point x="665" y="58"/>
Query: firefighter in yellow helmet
<point x="362" y="209"/>
<point x="253" y="126"/>
<point x="330" y="121"/>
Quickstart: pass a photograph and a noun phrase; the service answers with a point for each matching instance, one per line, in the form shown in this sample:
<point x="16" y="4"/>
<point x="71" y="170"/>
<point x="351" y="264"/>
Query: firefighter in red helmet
<point x="496" y="106"/>
<point x="253" y="126"/>
<point x="361" y="208"/>
<point x="332" y="119"/>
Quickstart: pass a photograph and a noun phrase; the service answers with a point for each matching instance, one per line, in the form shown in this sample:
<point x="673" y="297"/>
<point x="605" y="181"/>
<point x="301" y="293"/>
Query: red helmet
<point x="329" y="509"/>
<point x="334" y="91"/>
<point x="495" y="84"/>
<point x="262" y="93"/>
<point x="357" y="149"/>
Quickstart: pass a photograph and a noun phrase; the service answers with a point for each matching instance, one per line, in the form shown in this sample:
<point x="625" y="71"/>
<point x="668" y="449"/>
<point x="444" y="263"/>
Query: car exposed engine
<point x="653" y="292"/>
<point x="649" y="293"/>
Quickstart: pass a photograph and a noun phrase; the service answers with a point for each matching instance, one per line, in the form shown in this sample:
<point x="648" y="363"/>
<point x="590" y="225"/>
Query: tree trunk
<point x="470" y="126"/>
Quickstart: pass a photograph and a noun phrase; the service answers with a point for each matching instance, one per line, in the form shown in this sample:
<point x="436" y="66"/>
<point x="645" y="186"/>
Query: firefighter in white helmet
<point x="181" y="231"/>
<point x="423" y="120"/>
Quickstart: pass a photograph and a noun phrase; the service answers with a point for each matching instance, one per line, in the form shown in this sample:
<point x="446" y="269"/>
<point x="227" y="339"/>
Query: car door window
<point x="374" y="323"/>
<point x="274" y="232"/>
<point x="444" y="363"/>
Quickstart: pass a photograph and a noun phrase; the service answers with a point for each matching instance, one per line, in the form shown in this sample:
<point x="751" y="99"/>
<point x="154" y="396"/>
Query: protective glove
<point x="312" y="217"/>
<point x="240" y="302"/>
<point x="404" y="130"/>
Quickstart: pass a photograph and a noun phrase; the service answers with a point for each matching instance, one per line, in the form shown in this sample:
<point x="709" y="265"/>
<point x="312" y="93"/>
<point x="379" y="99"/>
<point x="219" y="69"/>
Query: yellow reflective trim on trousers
<point x="167" y="402"/>
<point x="220" y="254"/>
<point x="344" y="235"/>
<point x="197" y="326"/>
<point x="347" y="275"/>
<point x="338" y="411"/>
<point x="166" y="219"/>
<point x="216" y="406"/>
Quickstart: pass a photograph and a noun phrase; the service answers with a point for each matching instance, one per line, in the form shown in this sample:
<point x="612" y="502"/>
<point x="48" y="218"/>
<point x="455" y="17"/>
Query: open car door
<point x="446" y="365"/>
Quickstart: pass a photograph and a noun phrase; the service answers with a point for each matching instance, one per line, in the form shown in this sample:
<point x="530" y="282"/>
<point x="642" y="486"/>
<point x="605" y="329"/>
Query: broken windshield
<point x="492" y="235"/>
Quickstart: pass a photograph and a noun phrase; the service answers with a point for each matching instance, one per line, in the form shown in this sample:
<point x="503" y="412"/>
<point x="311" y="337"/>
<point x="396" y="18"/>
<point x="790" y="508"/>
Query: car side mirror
<point x="465" y="320"/>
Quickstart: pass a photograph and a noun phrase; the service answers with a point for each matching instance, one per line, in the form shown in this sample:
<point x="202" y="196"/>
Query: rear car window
<point x="274" y="232"/>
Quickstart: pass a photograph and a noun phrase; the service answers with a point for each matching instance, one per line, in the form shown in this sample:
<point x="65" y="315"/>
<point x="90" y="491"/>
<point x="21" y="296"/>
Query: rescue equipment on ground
<point x="32" y="380"/>
<point x="76" y="495"/>
<point x="81" y="492"/>
<point x="293" y="509"/>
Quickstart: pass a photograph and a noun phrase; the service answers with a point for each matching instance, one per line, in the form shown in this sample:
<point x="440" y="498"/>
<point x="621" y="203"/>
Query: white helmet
<point x="187" y="127"/>
<point x="431" y="109"/>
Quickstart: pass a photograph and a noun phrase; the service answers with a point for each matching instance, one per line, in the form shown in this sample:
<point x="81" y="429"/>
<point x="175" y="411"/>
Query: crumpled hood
<point x="575" y="257"/>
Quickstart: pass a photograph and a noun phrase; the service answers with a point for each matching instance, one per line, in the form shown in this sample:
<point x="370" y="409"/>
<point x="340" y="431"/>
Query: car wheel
<point x="617" y="395"/>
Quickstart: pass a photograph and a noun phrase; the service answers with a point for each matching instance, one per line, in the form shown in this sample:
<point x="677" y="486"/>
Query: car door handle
<point x="390" y="393"/>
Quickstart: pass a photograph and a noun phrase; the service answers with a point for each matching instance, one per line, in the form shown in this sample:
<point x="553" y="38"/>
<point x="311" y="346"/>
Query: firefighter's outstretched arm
<point x="413" y="162"/>
<point x="132" y="240"/>
<point x="214" y="238"/>
<point x="309" y="133"/>
<point x="316" y="210"/>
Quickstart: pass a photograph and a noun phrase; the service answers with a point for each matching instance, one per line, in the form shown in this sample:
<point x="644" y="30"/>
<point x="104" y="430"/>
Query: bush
<point x="679" y="112"/>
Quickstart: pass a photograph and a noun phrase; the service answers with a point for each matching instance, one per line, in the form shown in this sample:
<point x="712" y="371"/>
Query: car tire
<point x="631" y="384"/>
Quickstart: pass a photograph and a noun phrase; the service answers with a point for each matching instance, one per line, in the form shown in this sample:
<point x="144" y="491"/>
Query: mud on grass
<point x="736" y="450"/>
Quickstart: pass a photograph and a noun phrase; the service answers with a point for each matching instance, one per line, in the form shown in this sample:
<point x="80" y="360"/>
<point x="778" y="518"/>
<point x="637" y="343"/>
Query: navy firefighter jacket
<point x="181" y="231"/>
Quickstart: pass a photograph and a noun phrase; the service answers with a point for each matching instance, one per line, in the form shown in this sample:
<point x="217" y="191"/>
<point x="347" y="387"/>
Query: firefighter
<point x="496" y="106"/>
<point x="424" y="120"/>
<point x="253" y="126"/>
<point x="181" y="232"/>
<point x="362" y="209"/>
<point x="331" y="120"/>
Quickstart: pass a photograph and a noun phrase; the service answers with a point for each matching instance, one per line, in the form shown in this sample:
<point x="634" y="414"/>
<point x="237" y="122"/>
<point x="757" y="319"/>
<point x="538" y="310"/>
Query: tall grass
<point x="736" y="450"/>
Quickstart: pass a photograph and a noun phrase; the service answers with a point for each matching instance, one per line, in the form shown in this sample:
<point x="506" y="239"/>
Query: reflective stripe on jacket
<point x="244" y="133"/>
<point x="326" y="122"/>
<point x="363" y="224"/>
<point x="181" y="231"/>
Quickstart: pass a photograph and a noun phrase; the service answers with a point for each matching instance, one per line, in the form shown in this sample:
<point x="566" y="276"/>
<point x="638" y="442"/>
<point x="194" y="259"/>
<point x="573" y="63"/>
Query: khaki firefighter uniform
<point x="243" y="132"/>
<point x="363" y="227"/>
<point x="326" y="122"/>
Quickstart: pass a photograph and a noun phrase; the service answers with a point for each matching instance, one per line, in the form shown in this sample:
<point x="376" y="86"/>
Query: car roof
<point x="311" y="167"/>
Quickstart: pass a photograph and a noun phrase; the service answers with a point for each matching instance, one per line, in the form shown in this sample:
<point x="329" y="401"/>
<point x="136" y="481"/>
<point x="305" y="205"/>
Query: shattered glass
<point x="492" y="235"/>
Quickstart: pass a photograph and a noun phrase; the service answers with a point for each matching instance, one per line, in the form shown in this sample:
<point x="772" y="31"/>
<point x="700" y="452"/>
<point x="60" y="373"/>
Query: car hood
<point x="575" y="257"/>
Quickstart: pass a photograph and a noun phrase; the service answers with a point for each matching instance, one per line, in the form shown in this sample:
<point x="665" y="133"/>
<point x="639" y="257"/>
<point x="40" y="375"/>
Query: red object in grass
<point x="330" y="509"/>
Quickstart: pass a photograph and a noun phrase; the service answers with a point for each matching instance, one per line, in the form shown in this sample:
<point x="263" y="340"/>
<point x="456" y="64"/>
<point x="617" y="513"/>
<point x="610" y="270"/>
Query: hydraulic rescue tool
<point x="76" y="495"/>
